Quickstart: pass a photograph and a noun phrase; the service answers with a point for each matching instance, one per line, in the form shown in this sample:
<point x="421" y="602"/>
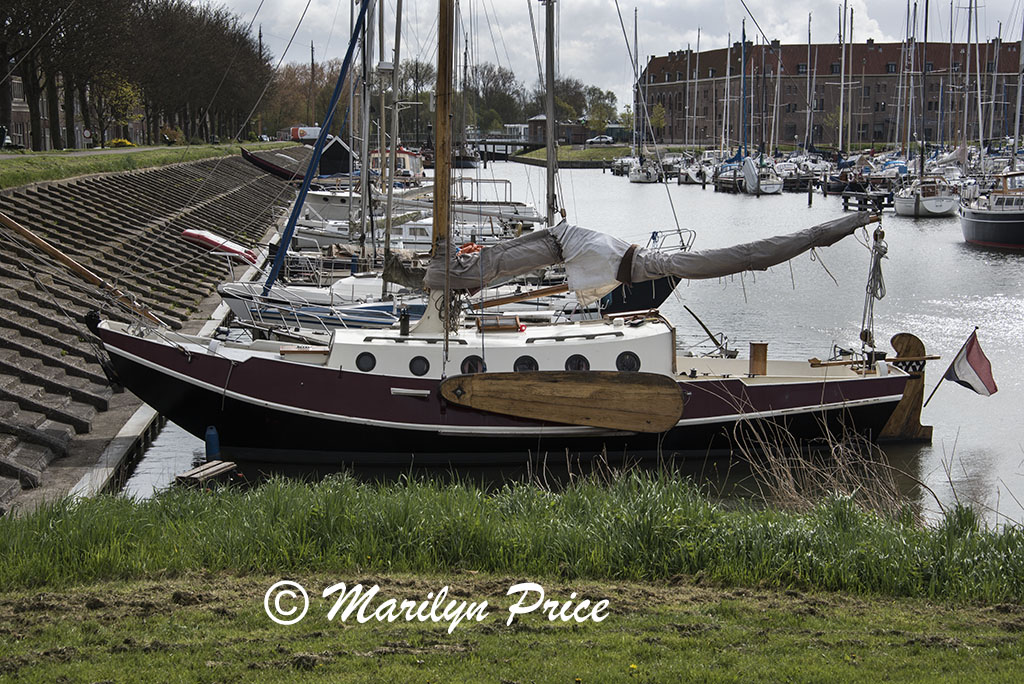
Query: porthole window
<point x="577" y="362"/>
<point x="473" y="364"/>
<point x="628" y="362"/>
<point x="366" y="362"/>
<point x="524" y="364"/>
<point x="419" y="365"/>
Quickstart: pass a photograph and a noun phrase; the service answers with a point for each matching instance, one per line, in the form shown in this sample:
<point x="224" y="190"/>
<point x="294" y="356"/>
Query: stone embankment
<point x="56" y="405"/>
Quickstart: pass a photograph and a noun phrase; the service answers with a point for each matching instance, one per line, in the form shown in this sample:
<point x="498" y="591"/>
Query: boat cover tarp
<point x="594" y="261"/>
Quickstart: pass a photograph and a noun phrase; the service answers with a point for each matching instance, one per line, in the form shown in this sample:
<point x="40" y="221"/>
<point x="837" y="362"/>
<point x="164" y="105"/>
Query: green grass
<point x="639" y="527"/>
<point x="34" y="167"/>
<point x="212" y="628"/>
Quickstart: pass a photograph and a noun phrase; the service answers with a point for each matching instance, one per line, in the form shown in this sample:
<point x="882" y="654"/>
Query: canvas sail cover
<point x="594" y="261"/>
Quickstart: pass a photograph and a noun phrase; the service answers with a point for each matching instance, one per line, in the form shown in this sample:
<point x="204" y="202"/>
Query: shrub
<point x="121" y="142"/>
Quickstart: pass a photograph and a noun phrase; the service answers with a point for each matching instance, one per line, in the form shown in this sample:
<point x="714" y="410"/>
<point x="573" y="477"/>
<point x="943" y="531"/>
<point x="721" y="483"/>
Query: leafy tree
<point x="114" y="101"/>
<point x="658" y="117"/>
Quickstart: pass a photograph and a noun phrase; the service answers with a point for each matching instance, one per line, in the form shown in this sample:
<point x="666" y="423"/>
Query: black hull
<point x="1001" y="229"/>
<point x="270" y="167"/>
<point x="640" y="296"/>
<point x="369" y="426"/>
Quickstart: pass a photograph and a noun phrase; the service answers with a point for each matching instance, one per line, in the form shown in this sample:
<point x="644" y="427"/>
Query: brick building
<point x="21" y="123"/>
<point x="692" y="89"/>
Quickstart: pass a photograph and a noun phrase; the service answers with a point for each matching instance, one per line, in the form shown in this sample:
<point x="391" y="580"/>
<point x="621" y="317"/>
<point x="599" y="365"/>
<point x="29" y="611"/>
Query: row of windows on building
<point x="834" y="67"/>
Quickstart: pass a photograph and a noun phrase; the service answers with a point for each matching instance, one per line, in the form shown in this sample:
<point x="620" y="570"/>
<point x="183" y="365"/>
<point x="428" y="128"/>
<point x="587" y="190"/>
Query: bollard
<point x="758" y="358"/>
<point x="212" y="443"/>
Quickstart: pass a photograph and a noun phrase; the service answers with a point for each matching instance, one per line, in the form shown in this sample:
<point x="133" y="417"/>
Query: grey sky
<point x="591" y="44"/>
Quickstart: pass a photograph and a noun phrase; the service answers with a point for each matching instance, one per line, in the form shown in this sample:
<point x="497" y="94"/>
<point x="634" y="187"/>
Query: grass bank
<point x="34" y="167"/>
<point x="639" y="527"/>
<point x="211" y="627"/>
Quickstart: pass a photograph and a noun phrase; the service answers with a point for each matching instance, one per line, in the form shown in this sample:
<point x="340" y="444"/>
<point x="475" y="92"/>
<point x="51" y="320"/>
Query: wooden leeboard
<point x="638" y="402"/>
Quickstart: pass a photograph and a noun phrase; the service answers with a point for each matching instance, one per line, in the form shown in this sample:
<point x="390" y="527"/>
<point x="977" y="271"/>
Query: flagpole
<point x="955" y="357"/>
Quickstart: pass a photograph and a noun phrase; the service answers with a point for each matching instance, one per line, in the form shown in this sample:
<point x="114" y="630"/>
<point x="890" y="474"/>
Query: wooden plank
<point x="637" y="402"/>
<point x="523" y="296"/>
<point x="207" y="471"/>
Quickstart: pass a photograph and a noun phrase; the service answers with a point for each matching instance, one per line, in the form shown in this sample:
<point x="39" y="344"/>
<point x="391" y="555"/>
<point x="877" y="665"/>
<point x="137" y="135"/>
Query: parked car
<point x="601" y="140"/>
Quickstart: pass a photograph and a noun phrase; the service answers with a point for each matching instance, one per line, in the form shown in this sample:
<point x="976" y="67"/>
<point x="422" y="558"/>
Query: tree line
<point x="165" y="62"/>
<point x="196" y="71"/>
<point x="489" y="97"/>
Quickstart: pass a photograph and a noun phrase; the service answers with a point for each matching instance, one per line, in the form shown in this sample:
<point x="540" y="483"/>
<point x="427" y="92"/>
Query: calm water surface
<point x="937" y="287"/>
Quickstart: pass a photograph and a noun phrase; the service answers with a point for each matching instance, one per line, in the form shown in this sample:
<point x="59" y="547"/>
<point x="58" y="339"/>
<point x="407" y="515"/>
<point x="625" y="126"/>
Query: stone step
<point x="54" y="381"/>
<point x="9" y="299"/>
<point x="37" y="349"/>
<point x="51" y="338"/>
<point x="33" y="400"/>
<point x="27" y="463"/>
<point x="9" y="488"/>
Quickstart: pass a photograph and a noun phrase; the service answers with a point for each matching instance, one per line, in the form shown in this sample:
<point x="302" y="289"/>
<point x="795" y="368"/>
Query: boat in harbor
<point x="996" y="219"/>
<point x="500" y="390"/>
<point x="760" y="178"/>
<point x="926" y="197"/>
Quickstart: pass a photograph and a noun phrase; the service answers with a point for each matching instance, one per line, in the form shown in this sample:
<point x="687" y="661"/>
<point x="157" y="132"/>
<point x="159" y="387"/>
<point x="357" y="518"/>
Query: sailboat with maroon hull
<point x="499" y="391"/>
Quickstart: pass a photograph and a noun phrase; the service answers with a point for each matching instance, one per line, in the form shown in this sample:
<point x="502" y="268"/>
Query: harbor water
<point x="936" y="287"/>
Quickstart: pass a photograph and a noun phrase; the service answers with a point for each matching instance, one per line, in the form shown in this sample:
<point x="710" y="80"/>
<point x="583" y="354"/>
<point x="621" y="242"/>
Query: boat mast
<point x="1020" y="81"/>
<point x="924" y="92"/>
<point x="728" y="94"/>
<point x="549" y="106"/>
<point x="636" y="88"/>
<point x="995" y="73"/>
<point x="810" y="104"/>
<point x="314" y="161"/>
<point x="696" y="82"/>
<point x="849" y="100"/>
<point x="977" y="59"/>
<point x="842" y="76"/>
<point x="967" y="80"/>
<point x="393" y="157"/>
<point x="743" y="85"/>
<point x="365" y="214"/>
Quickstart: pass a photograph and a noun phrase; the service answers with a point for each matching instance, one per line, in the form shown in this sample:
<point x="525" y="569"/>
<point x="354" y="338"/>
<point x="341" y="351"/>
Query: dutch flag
<point x="972" y="369"/>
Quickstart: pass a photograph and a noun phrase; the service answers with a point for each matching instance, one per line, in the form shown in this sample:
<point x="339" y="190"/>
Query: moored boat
<point x="996" y="219"/>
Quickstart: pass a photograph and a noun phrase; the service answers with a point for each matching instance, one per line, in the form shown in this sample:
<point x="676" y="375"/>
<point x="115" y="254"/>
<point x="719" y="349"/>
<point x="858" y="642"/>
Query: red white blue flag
<point x="971" y="368"/>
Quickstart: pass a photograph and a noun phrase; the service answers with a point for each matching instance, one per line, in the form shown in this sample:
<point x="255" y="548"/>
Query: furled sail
<point x="596" y="263"/>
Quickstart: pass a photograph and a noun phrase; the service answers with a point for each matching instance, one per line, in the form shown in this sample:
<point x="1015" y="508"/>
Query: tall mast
<point x="977" y="59"/>
<point x="696" y="82"/>
<point x="743" y="85"/>
<point x="552" y="143"/>
<point x="442" y="128"/>
<point x="967" y="80"/>
<point x="636" y="89"/>
<point x="924" y="91"/>
<point x="810" y="104"/>
<point x="1020" y="81"/>
<point x="392" y="158"/>
<point x="842" y="76"/>
<point x="849" y="102"/>
<point x="728" y="94"/>
<point x="995" y="72"/>
<point x="364" y="144"/>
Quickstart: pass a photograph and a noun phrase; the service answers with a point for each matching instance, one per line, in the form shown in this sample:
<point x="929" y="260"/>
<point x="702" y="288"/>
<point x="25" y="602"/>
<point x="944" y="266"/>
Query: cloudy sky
<point x="591" y="45"/>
